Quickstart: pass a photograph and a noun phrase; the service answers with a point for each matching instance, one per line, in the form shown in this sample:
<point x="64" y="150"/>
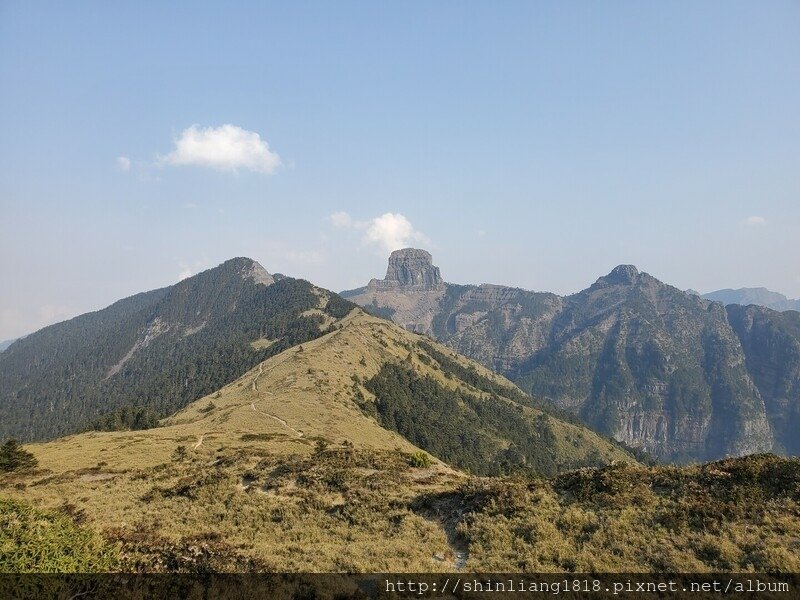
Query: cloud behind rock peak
<point x="389" y="231"/>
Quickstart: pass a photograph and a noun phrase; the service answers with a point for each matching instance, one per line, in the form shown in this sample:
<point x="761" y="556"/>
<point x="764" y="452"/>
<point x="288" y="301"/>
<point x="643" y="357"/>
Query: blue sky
<point x="536" y="144"/>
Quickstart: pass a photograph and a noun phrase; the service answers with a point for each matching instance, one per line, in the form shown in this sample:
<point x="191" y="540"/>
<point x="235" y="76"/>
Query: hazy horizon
<point x="533" y="145"/>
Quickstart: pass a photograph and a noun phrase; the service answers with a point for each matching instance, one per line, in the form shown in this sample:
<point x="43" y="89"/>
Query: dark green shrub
<point x="14" y="457"/>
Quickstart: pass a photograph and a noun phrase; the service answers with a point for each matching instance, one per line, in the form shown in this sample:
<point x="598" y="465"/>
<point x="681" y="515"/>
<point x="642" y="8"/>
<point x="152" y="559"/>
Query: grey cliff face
<point x="258" y="274"/>
<point x="413" y="268"/>
<point x="411" y="293"/>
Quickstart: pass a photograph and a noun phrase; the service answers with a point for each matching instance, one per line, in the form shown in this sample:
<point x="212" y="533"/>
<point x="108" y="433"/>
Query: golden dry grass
<point x="256" y="478"/>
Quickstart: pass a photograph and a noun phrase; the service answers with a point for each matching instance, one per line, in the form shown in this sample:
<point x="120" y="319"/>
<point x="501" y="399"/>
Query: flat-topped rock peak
<point x="410" y="268"/>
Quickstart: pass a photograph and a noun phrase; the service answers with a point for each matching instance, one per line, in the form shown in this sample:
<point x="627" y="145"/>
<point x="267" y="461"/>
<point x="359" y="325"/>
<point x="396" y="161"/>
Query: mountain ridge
<point x="760" y="296"/>
<point x="637" y="359"/>
<point x="161" y="349"/>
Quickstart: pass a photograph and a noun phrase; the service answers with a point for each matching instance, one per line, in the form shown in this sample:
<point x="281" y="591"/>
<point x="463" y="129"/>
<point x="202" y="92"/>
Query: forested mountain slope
<point x="147" y="356"/>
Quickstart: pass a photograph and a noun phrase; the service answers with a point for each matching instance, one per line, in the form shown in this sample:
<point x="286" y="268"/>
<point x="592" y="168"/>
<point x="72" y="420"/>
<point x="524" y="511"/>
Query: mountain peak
<point x="248" y="268"/>
<point x="623" y="274"/>
<point x="258" y="274"/>
<point x="412" y="267"/>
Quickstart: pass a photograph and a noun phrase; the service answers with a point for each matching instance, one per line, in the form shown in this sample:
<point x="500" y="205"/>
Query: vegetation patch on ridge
<point x="483" y="435"/>
<point x="33" y="540"/>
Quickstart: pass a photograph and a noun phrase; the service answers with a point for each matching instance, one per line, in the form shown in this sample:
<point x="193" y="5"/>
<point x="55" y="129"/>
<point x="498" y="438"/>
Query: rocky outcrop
<point x="623" y="274"/>
<point x="410" y="294"/>
<point x="257" y="273"/>
<point x="410" y="269"/>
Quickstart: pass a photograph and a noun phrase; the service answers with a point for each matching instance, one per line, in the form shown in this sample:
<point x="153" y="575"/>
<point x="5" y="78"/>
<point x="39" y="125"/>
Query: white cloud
<point x="185" y="273"/>
<point x="390" y="231"/>
<point x="189" y="205"/>
<point x="226" y="148"/>
<point x="755" y="221"/>
<point x="123" y="163"/>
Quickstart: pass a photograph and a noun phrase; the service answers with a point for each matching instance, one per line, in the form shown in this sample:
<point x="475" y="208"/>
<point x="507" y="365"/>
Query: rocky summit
<point x="656" y="368"/>
<point x="410" y="268"/>
<point x="410" y="294"/>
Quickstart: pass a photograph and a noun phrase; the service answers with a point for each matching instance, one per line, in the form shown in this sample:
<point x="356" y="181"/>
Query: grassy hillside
<point x="33" y="540"/>
<point x="733" y="515"/>
<point x="350" y="510"/>
<point x="283" y="468"/>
